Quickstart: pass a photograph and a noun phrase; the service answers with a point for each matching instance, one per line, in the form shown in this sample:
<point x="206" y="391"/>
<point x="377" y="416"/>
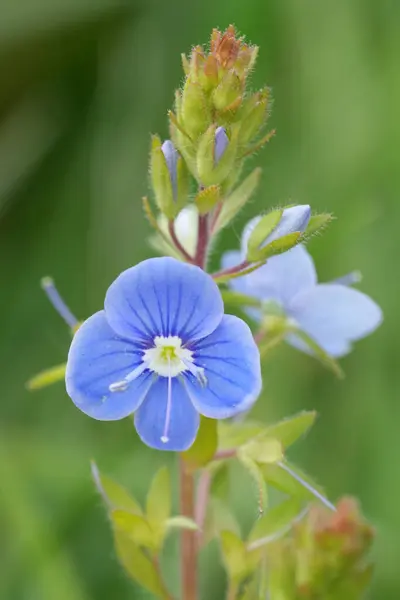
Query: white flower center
<point x="167" y="358"/>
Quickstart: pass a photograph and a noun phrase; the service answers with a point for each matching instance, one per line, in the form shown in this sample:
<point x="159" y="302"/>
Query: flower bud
<point x="195" y="114"/>
<point x="216" y="155"/>
<point x="169" y="177"/>
<point x="255" y="115"/>
<point x="275" y="232"/>
<point x="227" y="96"/>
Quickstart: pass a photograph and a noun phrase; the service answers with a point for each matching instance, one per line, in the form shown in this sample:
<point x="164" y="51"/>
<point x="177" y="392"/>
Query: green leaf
<point x="275" y="520"/>
<point x="158" y="503"/>
<point x="257" y="475"/>
<point x="238" y="299"/>
<point x="181" y="522"/>
<point x="233" y="435"/>
<point x="207" y="198"/>
<point x="47" y="377"/>
<point x="317" y="223"/>
<point x="291" y="429"/>
<point x="219" y="518"/>
<point x="328" y="361"/>
<point x="279" y="246"/>
<point x="220" y="485"/>
<point x="138" y="566"/>
<point x="135" y="526"/>
<point x="205" y="444"/>
<point x="234" y="556"/>
<point x="282" y="480"/>
<point x="263" y="449"/>
<point x="113" y="494"/>
<point x="237" y="199"/>
<point x="260" y="233"/>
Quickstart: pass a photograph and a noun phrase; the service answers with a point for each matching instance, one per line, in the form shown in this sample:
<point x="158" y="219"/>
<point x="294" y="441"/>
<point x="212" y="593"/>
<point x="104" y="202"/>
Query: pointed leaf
<point x="291" y="429"/>
<point x="207" y="198"/>
<point x="158" y="503"/>
<point x="275" y="520"/>
<point x="234" y="555"/>
<point x="317" y="223"/>
<point x="138" y="566"/>
<point x="274" y="475"/>
<point x="134" y="526"/>
<point x="263" y="450"/>
<point x="233" y="435"/>
<point x="205" y="444"/>
<point x="257" y="475"/>
<point x="237" y="199"/>
<point x="113" y="494"/>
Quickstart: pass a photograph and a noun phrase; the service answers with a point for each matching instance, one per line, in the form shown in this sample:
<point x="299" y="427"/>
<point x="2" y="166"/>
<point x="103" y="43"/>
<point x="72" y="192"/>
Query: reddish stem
<point x="231" y="270"/>
<point x="216" y="214"/>
<point x="189" y="541"/>
<point x="177" y="244"/>
<point x="203" y="491"/>
<point x="202" y="241"/>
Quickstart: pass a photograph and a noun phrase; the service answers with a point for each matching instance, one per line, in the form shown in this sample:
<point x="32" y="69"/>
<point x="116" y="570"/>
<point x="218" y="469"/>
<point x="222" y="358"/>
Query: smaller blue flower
<point x="332" y="314"/>
<point x="163" y="349"/>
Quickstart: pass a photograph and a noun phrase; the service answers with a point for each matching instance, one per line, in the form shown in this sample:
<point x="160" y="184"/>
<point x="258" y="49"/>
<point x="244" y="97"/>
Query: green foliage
<point x="114" y="495"/>
<point x="260" y="233"/>
<point x="205" y="444"/>
<point x="237" y="199"/>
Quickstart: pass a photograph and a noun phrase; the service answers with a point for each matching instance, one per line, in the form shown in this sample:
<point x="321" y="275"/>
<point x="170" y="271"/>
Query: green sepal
<point x="207" y="199"/>
<point x="208" y="172"/>
<point x="138" y="565"/>
<point x="291" y="429"/>
<point x="161" y="180"/>
<point x="262" y="450"/>
<point x="195" y="111"/>
<point x="47" y="377"/>
<point x="234" y="203"/>
<point x="228" y="91"/>
<point x="265" y="226"/>
<point x="255" y="116"/>
<point x="205" y="445"/>
<point x="317" y="223"/>
<point x="279" y="246"/>
<point x="114" y="495"/>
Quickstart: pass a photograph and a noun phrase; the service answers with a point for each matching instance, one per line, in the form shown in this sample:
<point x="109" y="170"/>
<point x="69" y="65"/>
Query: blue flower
<point x="163" y="349"/>
<point x="332" y="314"/>
<point x="220" y="144"/>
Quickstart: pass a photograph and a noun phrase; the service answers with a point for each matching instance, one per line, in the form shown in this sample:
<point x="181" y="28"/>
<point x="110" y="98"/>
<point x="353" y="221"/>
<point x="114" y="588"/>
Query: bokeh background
<point x="82" y="84"/>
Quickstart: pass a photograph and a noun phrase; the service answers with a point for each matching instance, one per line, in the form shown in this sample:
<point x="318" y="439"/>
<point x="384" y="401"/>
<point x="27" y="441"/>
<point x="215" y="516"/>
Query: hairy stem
<point x="177" y="244"/>
<point x="232" y="270"/>
<point x="202" y="241"/>
<point x="188" y="539"/>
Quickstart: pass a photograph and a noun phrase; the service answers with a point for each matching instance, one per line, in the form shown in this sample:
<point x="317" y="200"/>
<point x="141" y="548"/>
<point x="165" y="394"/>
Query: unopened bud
<point x="169" y="177"/>
<point x="220" y="144"/>
<point x="228" y="93"/>
<point x="255" y="115"/>
<point x="216" y="155"/>
<point x="195" y="111"/>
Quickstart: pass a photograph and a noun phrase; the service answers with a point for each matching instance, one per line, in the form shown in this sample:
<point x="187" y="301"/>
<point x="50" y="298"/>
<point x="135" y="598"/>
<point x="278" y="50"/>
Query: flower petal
<point x="151" y="417"/>
<point x="335" y="315"/>
<point x="281" y="277"/>
<point x="97" y="358"/>
<point x="163" y="296"/>
<point x="231" y="363"/>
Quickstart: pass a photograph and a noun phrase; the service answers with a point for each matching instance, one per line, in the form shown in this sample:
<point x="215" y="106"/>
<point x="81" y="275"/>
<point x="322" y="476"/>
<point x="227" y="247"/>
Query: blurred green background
<point x="82" y="84"/>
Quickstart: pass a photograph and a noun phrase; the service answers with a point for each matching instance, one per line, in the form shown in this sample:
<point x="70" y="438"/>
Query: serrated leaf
<point x="279" y="246"/>
<point x="291" y="429"/>
<point x="181" y="522"/>
<point x="260" y="233"/>
<point x="328" y="361"/>
<point x="263" y="450"/>
<point x="275" y="520"/>
<point x="158" y="502"/>
<point x="134" y="526"/>
<point x="257" y="475"/>
<point x="234" y="555"/>
<point x="47" y="377"/>
<point x="317" y="223"/>
<point x="207" y="198"/>
<point x="237" y="199"/>
<point x="138" y="566"/>
<point x="114" y="495"/>
<point x="238" y="299"/>
<point x="205" y="444"/>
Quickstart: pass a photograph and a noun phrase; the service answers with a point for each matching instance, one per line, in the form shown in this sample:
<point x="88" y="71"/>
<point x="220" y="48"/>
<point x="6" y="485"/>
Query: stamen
<point x="164" y="437"/>
<point x="58" y="303"/>
<point x="198" y="372"/>
<point x="308" y="487"/>
<point x="121" y="386"/>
